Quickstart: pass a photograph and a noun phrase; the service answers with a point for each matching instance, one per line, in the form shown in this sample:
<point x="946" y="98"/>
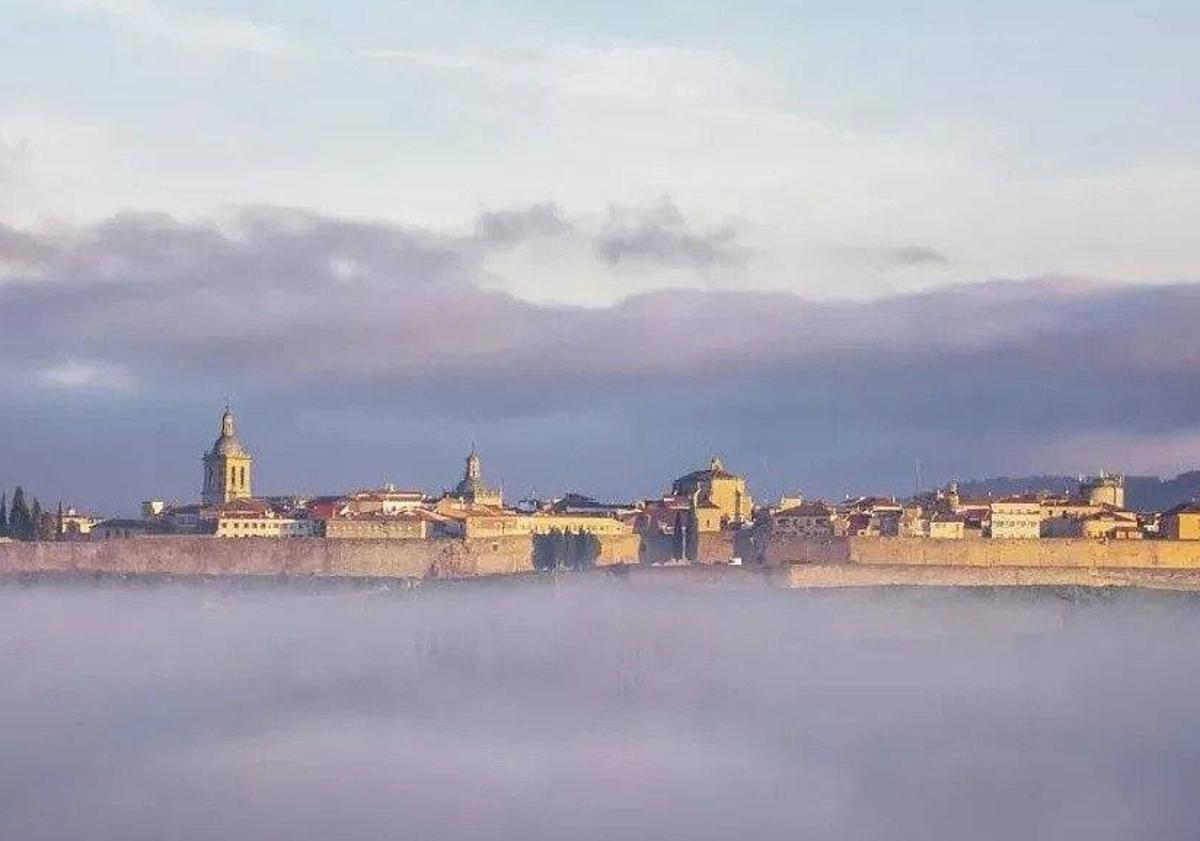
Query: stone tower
<point x="474" y="466"/>
<point x="1105" y="489"/>
<point x="226" y="466"/>
<point x="472" y="487"/>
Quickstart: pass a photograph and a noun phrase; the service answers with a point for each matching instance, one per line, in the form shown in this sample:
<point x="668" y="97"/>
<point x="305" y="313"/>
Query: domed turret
<point x="227" y="443"/>
<point x="226" y="466"/>
<point x="472" y="487"/>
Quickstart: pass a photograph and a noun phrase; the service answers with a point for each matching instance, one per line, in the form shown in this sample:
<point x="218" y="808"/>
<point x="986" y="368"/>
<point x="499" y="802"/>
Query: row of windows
<point x="236" y="477"/>
<point x="258" y="525"/>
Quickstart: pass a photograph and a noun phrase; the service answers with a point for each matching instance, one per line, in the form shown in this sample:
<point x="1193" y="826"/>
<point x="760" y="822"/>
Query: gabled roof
<point x="1111" y="515"/>
<point x="808" y="509"/>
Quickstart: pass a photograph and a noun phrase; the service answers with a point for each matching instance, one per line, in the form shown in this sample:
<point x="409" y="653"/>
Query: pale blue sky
<point x="1014" y="139"/>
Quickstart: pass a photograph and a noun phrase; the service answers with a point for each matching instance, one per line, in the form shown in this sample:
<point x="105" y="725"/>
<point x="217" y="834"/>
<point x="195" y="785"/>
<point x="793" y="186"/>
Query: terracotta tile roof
<point x="808" y="509"/>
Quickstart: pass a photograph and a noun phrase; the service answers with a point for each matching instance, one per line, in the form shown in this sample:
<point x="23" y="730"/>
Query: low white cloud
<point x="149" y="19"/>
<point x="80" y="375"/>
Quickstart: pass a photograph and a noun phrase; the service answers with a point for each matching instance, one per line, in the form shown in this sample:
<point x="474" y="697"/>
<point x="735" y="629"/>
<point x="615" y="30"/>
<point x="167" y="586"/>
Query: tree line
<point x="565" y="549"/>
<point x="24" y="519"/>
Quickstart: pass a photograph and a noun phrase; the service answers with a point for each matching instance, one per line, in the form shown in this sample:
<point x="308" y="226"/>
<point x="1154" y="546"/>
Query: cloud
<point x="224" y="33"/>
<point x="916" y="255"/>
<point x="77" y="374"/>
<point x="505" y="227"/>
<point x="660" y="234"/>
<point x="595" y="711"/>
<point x="20" y="250"/>
<point x="897" y="257"/>
<point x="628" y="73"/>
<point x="331" y="333"/>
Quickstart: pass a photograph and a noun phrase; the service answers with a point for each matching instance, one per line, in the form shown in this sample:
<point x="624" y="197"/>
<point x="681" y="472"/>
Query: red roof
<point x="808" y="509"/>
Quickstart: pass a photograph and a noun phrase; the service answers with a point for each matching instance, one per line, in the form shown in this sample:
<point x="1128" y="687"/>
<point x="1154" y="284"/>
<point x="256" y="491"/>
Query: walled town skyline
<point x="708" y="500"/>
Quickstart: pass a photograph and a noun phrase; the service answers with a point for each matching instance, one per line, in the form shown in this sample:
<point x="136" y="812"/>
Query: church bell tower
<point x="226" y="466"/>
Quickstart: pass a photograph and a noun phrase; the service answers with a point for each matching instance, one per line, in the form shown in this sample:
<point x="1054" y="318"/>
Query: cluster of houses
<point x="1097" y="512"/>
<point x="706" y="500"/>
<point x="711" y="499"/>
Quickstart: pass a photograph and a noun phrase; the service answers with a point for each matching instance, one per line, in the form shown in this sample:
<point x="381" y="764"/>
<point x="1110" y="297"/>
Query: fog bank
<point x="594" y="710"/>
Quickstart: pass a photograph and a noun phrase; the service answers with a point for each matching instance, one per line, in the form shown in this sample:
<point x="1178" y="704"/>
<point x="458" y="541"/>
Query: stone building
<point x="1017" y="517"/>
<point x="1112" y="525"/>
<point x="404" y="525"/>
<point x="508" y="523"/>
<point x="472" y="488"/>
<point x="1106" y="489"/>
<point x="258" y="518"/>
<point x="387" y="500"/>
<point x="226" y="467"/>
<point x="1182" y="522"/>
<point x="71" y="523"/>
<point x="719" y="488"/>
<point x="944" y="526"/>
<point x="121" y="529"/>
<point x="808" y="519"/>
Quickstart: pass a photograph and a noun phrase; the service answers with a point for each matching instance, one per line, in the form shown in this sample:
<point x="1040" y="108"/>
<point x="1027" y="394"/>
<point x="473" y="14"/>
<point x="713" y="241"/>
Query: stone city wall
<point x="920" y="551"/>
<point x="180" y="555"/>
<point x="616" y="549"/>
<point x="458" y="558"/>
<point x="190" y="555"/>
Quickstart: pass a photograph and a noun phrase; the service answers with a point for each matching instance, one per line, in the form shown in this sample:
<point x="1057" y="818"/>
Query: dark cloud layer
<point x="589" y="711"/>
<point x="361" y="352"/>
<point x="504" y="227"/>
<point x="660" y="234"/>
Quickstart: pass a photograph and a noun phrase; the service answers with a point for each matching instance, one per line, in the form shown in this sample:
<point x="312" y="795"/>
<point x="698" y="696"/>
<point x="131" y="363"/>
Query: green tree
<point x="19" y="522"/>
<point x="586" y="550"/>
<point x="3" y="515"/>
<point x="35" y="520"/>
<point x="577" y="550"/>
<point x="562" y="548"/>
<point x="543" y="551"/>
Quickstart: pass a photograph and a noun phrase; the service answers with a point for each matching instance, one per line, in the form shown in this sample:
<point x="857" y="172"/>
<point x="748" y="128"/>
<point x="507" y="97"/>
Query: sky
<point x="602" y="241"/>
<point x="591" y="710"/>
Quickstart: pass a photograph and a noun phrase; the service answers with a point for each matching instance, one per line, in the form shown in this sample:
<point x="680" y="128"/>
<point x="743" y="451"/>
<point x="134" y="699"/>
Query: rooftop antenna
<point x="917" y="477"/>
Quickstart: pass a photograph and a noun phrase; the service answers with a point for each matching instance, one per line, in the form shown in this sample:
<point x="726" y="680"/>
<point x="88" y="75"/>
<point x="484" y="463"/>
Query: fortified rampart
<point x="184" y="555"/>
<point x="852" y="561"/>
<point x="1045" y="553"/>
<point x="269" y="556"/>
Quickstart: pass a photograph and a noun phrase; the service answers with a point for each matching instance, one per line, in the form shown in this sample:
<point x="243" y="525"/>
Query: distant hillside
<point x="1142" y="493"/>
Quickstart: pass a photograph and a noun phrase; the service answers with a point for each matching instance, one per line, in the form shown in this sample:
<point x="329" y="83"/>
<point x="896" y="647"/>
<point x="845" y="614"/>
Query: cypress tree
<point x="35" y="520"/>
<point x="3" y="515"/>
<point x="562" y="548"/>
<point x="574" y="547"/>
<point x="18" y="516"/>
